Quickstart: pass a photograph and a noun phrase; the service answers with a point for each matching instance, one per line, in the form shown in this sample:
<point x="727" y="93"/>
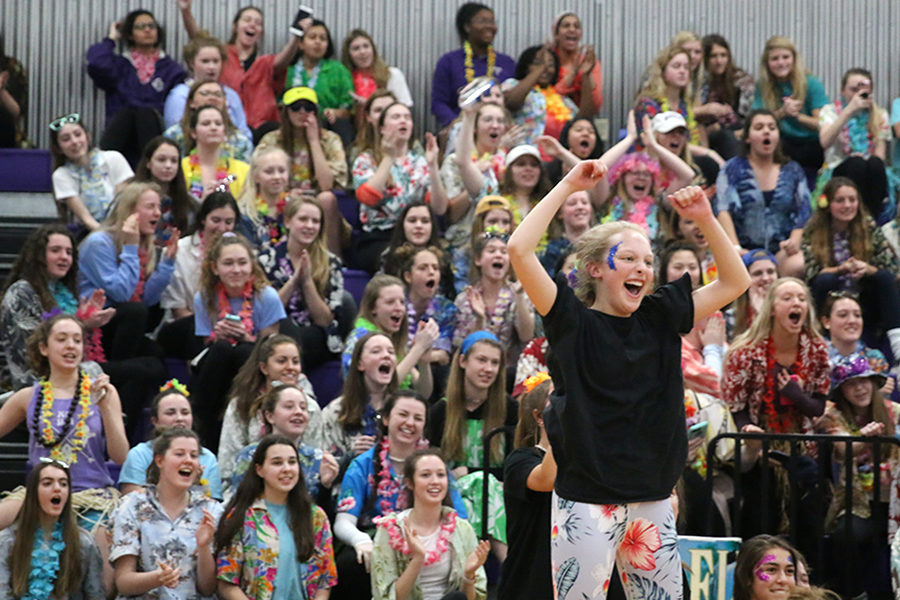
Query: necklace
<point x="470" y="70"/>
<point x="854" y="135"/>
<point x="389" y="497"/>
<point x="42" y="425"/>
<point x="778" y="422"/>
<point x="246" y="311"/>
<point x="44" y="564"/>
<point x="195" y="173"/>
<point x="143" y="259"/>
<point x="398" y="542"/>
<point x="556" y="108"/>
<point x="274" y="224"/>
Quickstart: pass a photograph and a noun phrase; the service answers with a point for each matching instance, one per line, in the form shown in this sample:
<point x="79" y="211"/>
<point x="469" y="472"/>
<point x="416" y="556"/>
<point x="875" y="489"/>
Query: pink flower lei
<point x="398" y="542"/>
<point x="390" y="492"/>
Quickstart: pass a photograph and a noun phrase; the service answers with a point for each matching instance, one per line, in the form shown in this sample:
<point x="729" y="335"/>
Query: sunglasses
<point x="304" y="105"/>
<point x="495" y="235"/>
<point x="57" y="124"/>
<point x="52" y="461"/>
<point x="839" y="294"/>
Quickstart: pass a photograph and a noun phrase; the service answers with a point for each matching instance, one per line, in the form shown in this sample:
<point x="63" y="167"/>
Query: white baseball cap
<point x="665" y="122"/>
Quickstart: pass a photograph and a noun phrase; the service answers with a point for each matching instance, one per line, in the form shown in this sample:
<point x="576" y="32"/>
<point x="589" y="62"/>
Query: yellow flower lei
<point x="80" y="436"/>
<point x="691" y="121"/>
<point x="470" y="70"/>
<point x="556" y="108"/>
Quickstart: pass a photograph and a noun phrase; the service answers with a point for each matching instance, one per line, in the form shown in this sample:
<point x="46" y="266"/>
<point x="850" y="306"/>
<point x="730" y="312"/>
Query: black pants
<point x="130" y="130"/>
<point x="870" y="177"/>
<point x="137" y="380"/>
<point x="867" y="568"/>
<point x="313" y="339"/>
<point x="808" y="153"/>
<point x="369" y="246"/>
<point x="178" y="340"/>
<point x="723" y="141"/>
<point x="209" y="387"/>
<point x="353" y="581"/>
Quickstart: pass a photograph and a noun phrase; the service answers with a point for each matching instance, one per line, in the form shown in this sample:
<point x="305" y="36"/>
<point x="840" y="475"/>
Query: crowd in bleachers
<point x="251" y="232"/>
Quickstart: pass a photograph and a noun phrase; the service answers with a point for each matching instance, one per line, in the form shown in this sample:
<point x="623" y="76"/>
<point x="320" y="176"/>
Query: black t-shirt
<point x="617" y="424"/>
<point x="437" y="416"/>
<point x="526" y="570"/>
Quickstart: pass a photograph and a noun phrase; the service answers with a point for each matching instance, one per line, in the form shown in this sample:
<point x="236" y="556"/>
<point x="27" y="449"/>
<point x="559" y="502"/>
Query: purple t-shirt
<point x="450" y="77"/>
<point x="89" y="469"/>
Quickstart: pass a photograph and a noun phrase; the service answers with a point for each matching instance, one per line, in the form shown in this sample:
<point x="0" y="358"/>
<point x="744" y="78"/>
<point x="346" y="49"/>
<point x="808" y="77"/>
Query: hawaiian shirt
<point x="141" y="528"/>
<point x="444" y="314"/>
<point x="310" y="463"/>
<point x="409" y="180"/>
<point x="251" y="560"/>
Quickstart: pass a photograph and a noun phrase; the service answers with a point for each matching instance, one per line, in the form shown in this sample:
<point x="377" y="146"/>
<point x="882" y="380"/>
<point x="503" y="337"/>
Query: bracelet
<point x="467" y="580"/>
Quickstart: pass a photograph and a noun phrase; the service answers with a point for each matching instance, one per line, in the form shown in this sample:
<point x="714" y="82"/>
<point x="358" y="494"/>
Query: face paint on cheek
<point x="759" y="567"/>
<point x="611" y="258"/>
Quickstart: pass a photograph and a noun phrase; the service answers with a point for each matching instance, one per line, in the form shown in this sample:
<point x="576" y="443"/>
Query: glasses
<point x="213" y="93"/>
<point x="304" y="105"/>
<point x="495" y="235"/>
<point x="52" y="461"/>
<point x="57" y="124"/>
<point x="139" y="26"/>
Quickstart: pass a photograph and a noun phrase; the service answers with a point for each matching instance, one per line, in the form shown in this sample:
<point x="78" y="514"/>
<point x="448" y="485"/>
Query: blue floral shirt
<point x="443" y="311"/>
<point x="310" y="462"/>
<point x="758" y="225"/>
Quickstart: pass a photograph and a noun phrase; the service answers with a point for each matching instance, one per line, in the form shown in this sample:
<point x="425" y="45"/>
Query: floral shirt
<point x="310" y="463"/>
<point x="757" y="224"/>
<point x="457" y="235"/>
<point x="744" y="375"/>
<point x="20" y="315"/>
<point x="337" y="440"/>
<point x="141" y="528"/>
<point x="251" y="560"/>
<point x="501" y="321"/>
<point x="279" y="269"/>
<point x="883" y="257"/>
<point x="236" y="145"/>
<point x="236" y="434"/>
<point x="302" y="175"/>
<point x="443" y="312"/>
<point x="876" y="359"/>
<point x="532" y="116"/>
<point x="389" y="563"/>
<point x="532" y="360"/>
<point x="409" y="181"/>
<point x="847" y="143"/>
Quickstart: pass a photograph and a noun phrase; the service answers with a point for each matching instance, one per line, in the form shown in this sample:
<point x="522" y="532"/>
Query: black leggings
<point x="209" y="387"/>
<point x="369" y="246"/>
<point x="130" y="130"/>
<point x="354" y="583"/>
<point x="137" y="380"/>
<point x="178" y="340"/>
<point x="313" y="340"/>
<point x="808" y="153"/>
<point x="870" y="177"/>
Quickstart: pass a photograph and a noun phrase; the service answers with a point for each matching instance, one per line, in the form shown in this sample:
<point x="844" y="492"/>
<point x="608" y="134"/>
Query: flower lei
<point x="274" y="223"/>
<point x="245" y="313"/>
<point x="775" y="421"/>
<point x="389" y="496"/>
<point x="556" y="108"/>
<point x="688" y="115"/>
<point x="854" y="135"/>
<point x="64" y="298"/>
<point x="195" y="173"/>
<point x="43" y="415"/>
<point x="93" y="343"/>
<point x="44" y="564"/>
<point x="496" y="319"/>
<point x="143" y="259"/>
<point x="398" y="542"/>
<point x="470" y="70"/>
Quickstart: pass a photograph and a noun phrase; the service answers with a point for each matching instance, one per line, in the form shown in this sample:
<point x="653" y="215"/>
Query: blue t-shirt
<point x="134" y="469"/>
<point x="814" y="100"/>
<point x="267" y="310"/>
<point x="288" y="578"/>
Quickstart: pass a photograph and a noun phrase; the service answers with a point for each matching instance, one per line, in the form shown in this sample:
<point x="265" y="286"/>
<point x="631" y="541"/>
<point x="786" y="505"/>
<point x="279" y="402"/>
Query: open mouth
<point x="430" y="284"/>
<point x="498" y="265"/>
<point x="795" y="316"/>
<point x="640" y="188"/>
<point x="674" y="146"/>
<point x="297" y="421"/>
<point x="585" y="144"/>
<point x="396" y="320"/>
<point x="633" y="289"/>
<point x="766" y="142"/>
<point x="56" y="500"/>
<point x="186" y="472"/>
<point x="384" y="368"/>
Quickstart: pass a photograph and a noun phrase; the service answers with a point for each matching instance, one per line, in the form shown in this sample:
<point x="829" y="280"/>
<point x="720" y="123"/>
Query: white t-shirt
<point x="434" y="578"/>
<point x="112" y="169"/>
<point x="186" y="278"/>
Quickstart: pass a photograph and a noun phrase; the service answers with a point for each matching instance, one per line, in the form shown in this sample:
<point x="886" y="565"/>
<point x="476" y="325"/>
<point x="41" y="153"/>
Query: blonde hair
<point x="761" y="328"/>
<point x="247" y="200"/>
<point x="592" y="247"/>
<point x="123" y="207"/>
<point x="770" y="96"/>
<point x="318" y="252"/>
<point x="655" y="86"/>
<point x="678" y="40"/>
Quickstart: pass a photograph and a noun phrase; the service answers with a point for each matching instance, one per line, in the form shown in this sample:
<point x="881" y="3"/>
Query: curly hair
<point x="40" y="336"/>
<point x="31" y="264"/>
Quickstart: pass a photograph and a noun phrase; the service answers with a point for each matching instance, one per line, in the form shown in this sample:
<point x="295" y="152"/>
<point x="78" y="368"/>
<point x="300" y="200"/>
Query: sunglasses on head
<point x="57" y="124"/>
<point x="52" y="461"/>
<point x="839" y="294"/>
<point x="495" y="235"/>
<point x="305" y="105"/>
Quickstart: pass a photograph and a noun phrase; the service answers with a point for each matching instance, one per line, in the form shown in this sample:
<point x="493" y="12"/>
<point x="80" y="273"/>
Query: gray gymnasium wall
<point x="52" y="36"/>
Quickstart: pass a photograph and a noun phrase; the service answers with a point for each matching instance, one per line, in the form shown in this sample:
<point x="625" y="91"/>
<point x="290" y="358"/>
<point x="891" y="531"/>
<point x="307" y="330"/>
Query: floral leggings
<point x="641" y="538"/>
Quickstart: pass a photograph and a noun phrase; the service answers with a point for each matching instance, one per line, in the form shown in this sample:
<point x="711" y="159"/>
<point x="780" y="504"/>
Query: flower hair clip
<point x="51" y="313"/>
<point x="535" y="380"/>
<point x="225" y="183"/>
<point x="822" y="202"/>
<point x="174" y="384"/>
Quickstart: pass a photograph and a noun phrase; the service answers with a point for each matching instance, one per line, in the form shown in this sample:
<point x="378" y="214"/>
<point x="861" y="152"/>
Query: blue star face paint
<point x="611" y="257"/>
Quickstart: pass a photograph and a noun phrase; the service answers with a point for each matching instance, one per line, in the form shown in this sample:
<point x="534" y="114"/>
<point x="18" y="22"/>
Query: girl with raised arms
<point x="617" y="371"/>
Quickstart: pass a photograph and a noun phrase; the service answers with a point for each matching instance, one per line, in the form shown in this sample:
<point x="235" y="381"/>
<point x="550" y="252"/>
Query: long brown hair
<point x="247" y="388"/>
<point x="319" y="263"/>
<point x="299" y="505"/>
<point x="495" y="405"/>
<point x="28" y="520"/>
<point x="39" y="363"/>
<point x="367" y="136"/>
<point x="31" y="264"/>
<point x="189" y="116"/>
<point x="821" y="232"/>
<point x="183" y="204"/>
<point x="367" y="306"/>
<point x="527" y="431"/>
<point x="720" y="86"/>
<point x="380" y="71"/>
<point x="409" y="473"/>
<point x="209" y="280"/>
<point x="355" y="394"/>
<point x="761" y="328"/>
<point x="161" y="445"/>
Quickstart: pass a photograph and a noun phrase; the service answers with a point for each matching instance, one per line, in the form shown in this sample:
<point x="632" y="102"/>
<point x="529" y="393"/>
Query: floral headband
<point x="854" y="366"/>
<point x="630" y="162"/>
<point x="174" y="384"/>
<point x="535" y="380"/>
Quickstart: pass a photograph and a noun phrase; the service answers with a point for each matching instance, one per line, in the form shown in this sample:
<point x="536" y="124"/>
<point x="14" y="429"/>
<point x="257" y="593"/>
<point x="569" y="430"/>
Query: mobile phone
<point x="697" y="430"/>
<point x="233" y="318"/>
<point x="304" y="12"/>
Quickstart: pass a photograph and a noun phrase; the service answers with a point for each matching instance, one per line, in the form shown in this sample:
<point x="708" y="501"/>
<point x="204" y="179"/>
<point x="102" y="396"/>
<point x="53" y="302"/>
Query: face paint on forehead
<point x="763" y="561"/>
<point x="611" y="258"/>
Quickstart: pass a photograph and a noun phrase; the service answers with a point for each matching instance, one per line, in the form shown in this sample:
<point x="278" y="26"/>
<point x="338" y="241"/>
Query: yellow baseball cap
<point x="300" y="93"/>
<point x="490" y="203"/>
